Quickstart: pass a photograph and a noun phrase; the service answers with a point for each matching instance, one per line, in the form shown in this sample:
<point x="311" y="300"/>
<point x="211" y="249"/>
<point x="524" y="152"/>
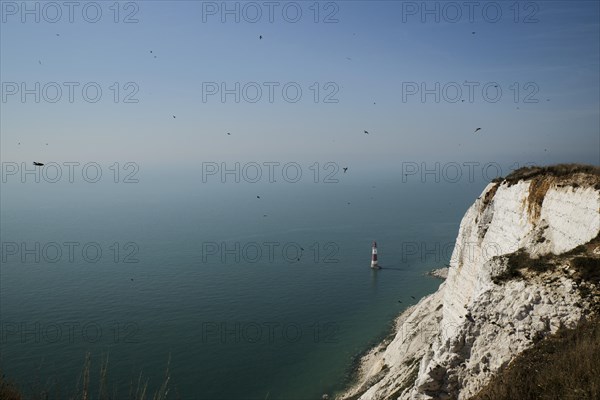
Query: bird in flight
<point x="38" y="164"/>
<point x="260" y="37"/>
<point x="345" y="169"/>
<point x="228" y="133"/>
<point x="40" y="62"/>
<point x="476" y="130"/>
<point x="367" y="132"/>
<point x="258" y="197"/>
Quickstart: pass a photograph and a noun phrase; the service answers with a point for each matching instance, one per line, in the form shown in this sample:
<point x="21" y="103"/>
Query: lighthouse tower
<point x="374" y="256"/>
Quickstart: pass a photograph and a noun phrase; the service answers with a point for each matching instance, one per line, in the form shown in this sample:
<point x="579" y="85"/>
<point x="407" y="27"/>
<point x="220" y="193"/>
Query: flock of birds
<point x="260" y="37"/>
<point x="345" y="169"/>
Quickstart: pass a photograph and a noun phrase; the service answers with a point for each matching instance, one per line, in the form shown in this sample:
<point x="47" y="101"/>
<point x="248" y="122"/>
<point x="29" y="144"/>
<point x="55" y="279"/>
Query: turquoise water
<point x="255" y="328"/>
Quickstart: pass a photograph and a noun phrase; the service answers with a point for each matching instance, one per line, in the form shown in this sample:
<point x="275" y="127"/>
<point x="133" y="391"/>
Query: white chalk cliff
<point x="450" y="344"/>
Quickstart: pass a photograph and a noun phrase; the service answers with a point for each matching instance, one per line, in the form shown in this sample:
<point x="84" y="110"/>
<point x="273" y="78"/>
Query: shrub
<point x="8" y="390"/>
<point x="588" y="268"/>
<point x="565" y="365"/>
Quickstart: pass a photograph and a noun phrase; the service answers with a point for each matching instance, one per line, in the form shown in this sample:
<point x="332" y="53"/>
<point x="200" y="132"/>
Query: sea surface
<point x="208" y="279"/>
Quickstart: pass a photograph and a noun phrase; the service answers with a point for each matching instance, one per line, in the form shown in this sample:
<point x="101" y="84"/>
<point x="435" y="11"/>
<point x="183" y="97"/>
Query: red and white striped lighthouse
<point x="374" y="256"/>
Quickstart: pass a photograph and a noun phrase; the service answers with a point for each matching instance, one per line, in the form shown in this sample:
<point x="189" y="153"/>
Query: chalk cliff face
<point x="450" y="343"/>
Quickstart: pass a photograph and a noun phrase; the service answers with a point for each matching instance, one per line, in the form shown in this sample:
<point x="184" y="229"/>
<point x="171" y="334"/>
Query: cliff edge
<point x="526" y="263"/>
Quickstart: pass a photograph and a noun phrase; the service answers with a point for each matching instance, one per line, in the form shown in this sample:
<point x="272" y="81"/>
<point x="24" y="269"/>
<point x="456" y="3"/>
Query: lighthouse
<point x="374" y="256"/>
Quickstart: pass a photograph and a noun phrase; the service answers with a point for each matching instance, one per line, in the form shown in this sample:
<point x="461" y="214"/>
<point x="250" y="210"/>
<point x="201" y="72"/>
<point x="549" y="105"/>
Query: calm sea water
<point x="262" y="326"/>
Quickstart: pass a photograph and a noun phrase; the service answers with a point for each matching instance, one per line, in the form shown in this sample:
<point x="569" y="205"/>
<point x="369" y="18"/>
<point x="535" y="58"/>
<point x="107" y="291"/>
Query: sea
<point x="236" y="290"/>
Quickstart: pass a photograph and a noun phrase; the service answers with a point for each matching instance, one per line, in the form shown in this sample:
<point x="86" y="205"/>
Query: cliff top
<point x="542" y="178"/>
<point x="575" y="174"/>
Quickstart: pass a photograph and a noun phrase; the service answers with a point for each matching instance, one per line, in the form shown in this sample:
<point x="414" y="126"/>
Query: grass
<point x="83" y="390"/>
<point x="559" y="170"/>
<point x="520" y="261"/>
<point x="587" y="268"/>
<point x="537" y="191"/>
<point x="487" y="199"/>
<point x="563" y="366"/>
<point x="582" y="260"/>
<point x="9" y="390"/>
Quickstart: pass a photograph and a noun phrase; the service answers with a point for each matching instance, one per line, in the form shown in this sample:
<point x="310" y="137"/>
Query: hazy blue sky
<point x="373" y="51"/>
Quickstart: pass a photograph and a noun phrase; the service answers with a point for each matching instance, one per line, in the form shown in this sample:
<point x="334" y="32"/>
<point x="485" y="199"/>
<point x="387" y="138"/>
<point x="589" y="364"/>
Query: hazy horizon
<point x="180" y="139"/>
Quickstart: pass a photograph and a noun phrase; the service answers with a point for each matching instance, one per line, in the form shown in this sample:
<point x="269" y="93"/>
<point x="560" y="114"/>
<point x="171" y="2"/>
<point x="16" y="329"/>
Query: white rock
<point x="458" y="355"/>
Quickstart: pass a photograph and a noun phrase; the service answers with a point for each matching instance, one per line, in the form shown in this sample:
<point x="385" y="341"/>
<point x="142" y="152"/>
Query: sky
<point x="360" y="65"/>
<point x="380" y="87"/>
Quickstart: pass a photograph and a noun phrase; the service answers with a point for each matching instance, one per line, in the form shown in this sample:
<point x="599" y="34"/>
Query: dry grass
<point x="8" y="390"/>
<point x="537" y="191"/>
<point x="563" y="366"/>
<point x="138" y="389"/>
<point x="587" y="268"/>
<point x="559" y="171"/>
<point x="584" y="262"/>
<point x="487" y="199"/>
<point x="520" y="261"/>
